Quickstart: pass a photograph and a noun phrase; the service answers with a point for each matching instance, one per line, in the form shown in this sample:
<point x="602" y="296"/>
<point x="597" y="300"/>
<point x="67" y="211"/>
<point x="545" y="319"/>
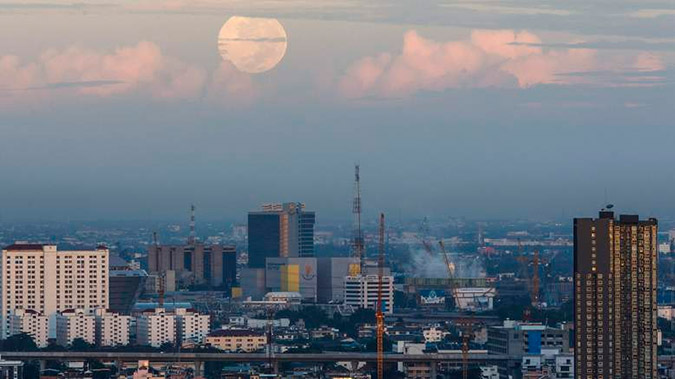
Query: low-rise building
<point x="156" y="327"/>
<point x="237" y="340"/>
<point x="192" y="327"/>
<point x="30" y="322"/>
<point x="112" y="329"/>
<point x="75" y="323"/>
<point x="434" y="334"/>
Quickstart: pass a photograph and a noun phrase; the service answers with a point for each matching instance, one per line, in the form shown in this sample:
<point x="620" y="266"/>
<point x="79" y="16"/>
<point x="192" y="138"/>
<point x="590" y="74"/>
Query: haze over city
<point x="128" y="110"/>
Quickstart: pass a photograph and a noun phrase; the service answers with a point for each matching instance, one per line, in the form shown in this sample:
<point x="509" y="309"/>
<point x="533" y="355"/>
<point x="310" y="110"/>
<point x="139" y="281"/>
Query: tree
<point x="79" y="344"/>
<point x="19" y="342"/>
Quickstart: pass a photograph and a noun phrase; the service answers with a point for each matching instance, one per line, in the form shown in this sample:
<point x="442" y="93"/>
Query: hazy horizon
<point x="513" y="109"/>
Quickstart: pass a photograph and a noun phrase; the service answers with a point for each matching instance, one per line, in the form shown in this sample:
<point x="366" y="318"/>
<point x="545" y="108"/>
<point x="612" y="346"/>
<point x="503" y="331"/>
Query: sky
<point x="479" y="109"/>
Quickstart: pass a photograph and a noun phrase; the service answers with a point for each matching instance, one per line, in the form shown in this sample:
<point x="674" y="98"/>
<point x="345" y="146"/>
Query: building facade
<point x="198" y="263"/>
<point x="615" y="303"/>
<point x="280" y="230"/>
<point x="43" y="279"/>
<point x="292" y="275"/>
<point x="237" y="340"/>
<point x="360" y="291"/>
<point x="192" y="327"/>
<point x="112" y="329"/>
<point x="30" y="322"/>
<point x="75" y="323"/>
<point x="155" y="327"/>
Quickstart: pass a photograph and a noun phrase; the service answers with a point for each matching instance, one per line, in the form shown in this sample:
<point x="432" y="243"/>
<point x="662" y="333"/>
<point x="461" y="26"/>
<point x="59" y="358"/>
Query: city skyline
<point x="488" y="110"/>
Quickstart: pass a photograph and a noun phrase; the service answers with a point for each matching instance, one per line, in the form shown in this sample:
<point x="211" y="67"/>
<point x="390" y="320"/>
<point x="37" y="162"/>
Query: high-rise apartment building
<point x="615" y="305"/>
<point x="280" y="230"/>
<point x="196" y="263"/>
<point x="40" y="278"/>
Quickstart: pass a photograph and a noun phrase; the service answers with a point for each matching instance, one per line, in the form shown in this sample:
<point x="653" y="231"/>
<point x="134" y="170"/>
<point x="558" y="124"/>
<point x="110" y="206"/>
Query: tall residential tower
<point x="615" y="297"/>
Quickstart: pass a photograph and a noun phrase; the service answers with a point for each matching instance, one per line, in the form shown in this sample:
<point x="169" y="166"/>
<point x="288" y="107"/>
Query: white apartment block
<point x="30" y="322"/>
<point x="112" y="329"/>
<point x="41" y="278"/>
<point x="192" y="327"/>
<point x="360" y="291"/>
<point x="75" y="323"/>
<point x="155" y="327"/>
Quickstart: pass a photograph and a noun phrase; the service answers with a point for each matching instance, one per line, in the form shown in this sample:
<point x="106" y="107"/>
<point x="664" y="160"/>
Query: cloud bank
<point x="489" y="58"/>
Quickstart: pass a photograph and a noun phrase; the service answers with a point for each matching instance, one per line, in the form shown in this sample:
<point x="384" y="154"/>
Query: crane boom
<point x="379" y="315"/>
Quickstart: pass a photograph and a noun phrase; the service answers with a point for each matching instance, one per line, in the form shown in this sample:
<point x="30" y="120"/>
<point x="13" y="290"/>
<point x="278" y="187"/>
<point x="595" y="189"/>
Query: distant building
<point x="237" y="340"/>
<point x="253" y="282"/>
<point x="331" y="274"/>
<point x="517" y="339"/>
<point x="125" y="287"/>
<point x="75" y="323"/>
<point x="474" y="299"/>
<point x="112" y="329"/>
<point x="191" y="326"/>
<point x="292" y="275"/>
<point x="214" y="265"/>
<point x="30" y="322"/>
<point x="615" y="301"/>
<point x="360" y="291"/>
<point x="280" y="230"/>
<point x="155" y="327"/>
<point x="40" y="278"/>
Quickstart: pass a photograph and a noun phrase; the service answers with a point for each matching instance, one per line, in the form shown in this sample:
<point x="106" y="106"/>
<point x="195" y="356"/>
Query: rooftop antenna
<point x="192" y="238"/>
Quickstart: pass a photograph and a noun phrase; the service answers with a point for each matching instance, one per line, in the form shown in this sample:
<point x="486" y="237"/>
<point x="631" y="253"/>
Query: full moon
<point x="252" y="45"/>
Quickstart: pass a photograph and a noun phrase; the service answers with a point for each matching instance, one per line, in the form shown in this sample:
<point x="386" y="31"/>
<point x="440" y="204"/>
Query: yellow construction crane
<point x="379" y="314"/>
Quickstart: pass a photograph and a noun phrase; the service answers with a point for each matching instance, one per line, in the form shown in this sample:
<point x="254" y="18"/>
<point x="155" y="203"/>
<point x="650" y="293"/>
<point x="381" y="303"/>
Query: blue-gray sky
<point x="516" y="108"/>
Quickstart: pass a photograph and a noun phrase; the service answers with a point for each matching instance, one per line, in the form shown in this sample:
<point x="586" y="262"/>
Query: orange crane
<point x="467" y="323"/>
<point x="379" y="315"/>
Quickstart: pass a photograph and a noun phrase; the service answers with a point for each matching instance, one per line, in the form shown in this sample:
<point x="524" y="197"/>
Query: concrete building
<point x="280" y="230"/>
<point x="253" y="283"/>
<point x="125" y="287"/>
<point x="30" y="322"/>
<point x="198" y="263"/>
<point x="517" y="339"/>
<point x="41" y="278"/>
<point x="292" y="275"/>
<point x="331" y="274"/>
<point x="155" y="327"/>
<point x="615" y="301"/>
<point x="191" y="326"/>
<point x="360" y="291"/>
<point x="75" y="323"/>
<point x="564" y="366"/>
<point x="112" y="329"/>
<point x="474" y="298"/>
<point x="237" y="340"/>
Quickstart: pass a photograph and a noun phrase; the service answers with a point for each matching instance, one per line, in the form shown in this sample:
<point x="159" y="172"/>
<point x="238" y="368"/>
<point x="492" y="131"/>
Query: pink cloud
<point x="489" y="58"/>
<point x="141" y="69"/>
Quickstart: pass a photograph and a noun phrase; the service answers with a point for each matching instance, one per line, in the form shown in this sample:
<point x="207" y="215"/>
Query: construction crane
<point x="358" y="248"/>
<point x="160" y="273"/>
<point x="379" y="314"/>
<point x="467" y="323"/>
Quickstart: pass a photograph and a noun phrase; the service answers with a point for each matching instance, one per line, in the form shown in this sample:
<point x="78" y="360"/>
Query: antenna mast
<point x="356" y="211"/>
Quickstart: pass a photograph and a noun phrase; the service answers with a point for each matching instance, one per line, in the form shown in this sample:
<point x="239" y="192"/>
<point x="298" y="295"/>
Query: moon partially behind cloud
<point x="252" y="45"/>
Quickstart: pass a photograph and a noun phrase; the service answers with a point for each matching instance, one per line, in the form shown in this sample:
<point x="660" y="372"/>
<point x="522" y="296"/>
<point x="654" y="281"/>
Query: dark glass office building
<point x="615" y="297"/>
<point x="280" y="230"/>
